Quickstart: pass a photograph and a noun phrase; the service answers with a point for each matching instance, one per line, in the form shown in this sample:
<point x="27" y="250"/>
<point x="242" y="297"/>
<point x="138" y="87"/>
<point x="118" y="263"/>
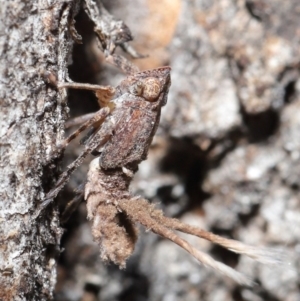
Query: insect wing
<point x="131" y="139"/>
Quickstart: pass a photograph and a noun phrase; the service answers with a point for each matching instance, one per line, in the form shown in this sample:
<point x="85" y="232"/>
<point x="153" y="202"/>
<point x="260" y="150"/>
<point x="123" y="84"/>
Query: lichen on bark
<point x="34" y="45"/>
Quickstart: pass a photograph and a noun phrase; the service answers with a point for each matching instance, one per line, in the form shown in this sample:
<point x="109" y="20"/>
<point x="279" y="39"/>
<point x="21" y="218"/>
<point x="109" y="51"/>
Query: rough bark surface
<point x="33" y="49"/>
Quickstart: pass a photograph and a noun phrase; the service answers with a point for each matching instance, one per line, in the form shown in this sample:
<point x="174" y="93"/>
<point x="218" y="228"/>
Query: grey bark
<point x="34" y="47"/>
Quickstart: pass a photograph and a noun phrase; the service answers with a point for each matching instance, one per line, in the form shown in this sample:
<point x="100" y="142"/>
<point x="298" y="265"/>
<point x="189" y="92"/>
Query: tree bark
<point x="34" y="47"/>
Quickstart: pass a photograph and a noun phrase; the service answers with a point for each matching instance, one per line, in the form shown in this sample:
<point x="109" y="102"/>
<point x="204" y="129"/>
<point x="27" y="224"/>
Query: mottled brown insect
<point x="123" y="129"/>
<point x="120" y="136"/>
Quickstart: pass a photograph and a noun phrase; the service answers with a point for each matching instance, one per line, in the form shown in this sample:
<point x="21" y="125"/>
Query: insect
<point x="122" y="130"/>
<point x="120" y="136"/>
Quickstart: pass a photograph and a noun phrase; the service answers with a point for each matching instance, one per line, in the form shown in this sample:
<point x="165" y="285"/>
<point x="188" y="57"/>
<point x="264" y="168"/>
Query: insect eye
<point x="137" y="88"/>
<point x="151" y="89"/>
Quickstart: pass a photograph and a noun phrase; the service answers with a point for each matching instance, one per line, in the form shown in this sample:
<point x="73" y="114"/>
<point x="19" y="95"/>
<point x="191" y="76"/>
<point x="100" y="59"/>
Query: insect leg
<point x="79" y="120"/>
<point x="97" y="118"/>
<point x="103" y="93"/>
<point x="73" y="204"/>
<point x="122" y="63"/>
<point x="95" y="142"/>
<point x="83" y="86"/>
<point x="133" y="53"/>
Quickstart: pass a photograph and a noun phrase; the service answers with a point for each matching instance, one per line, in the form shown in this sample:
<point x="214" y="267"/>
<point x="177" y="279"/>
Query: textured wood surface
<point x="33" y="45"/>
